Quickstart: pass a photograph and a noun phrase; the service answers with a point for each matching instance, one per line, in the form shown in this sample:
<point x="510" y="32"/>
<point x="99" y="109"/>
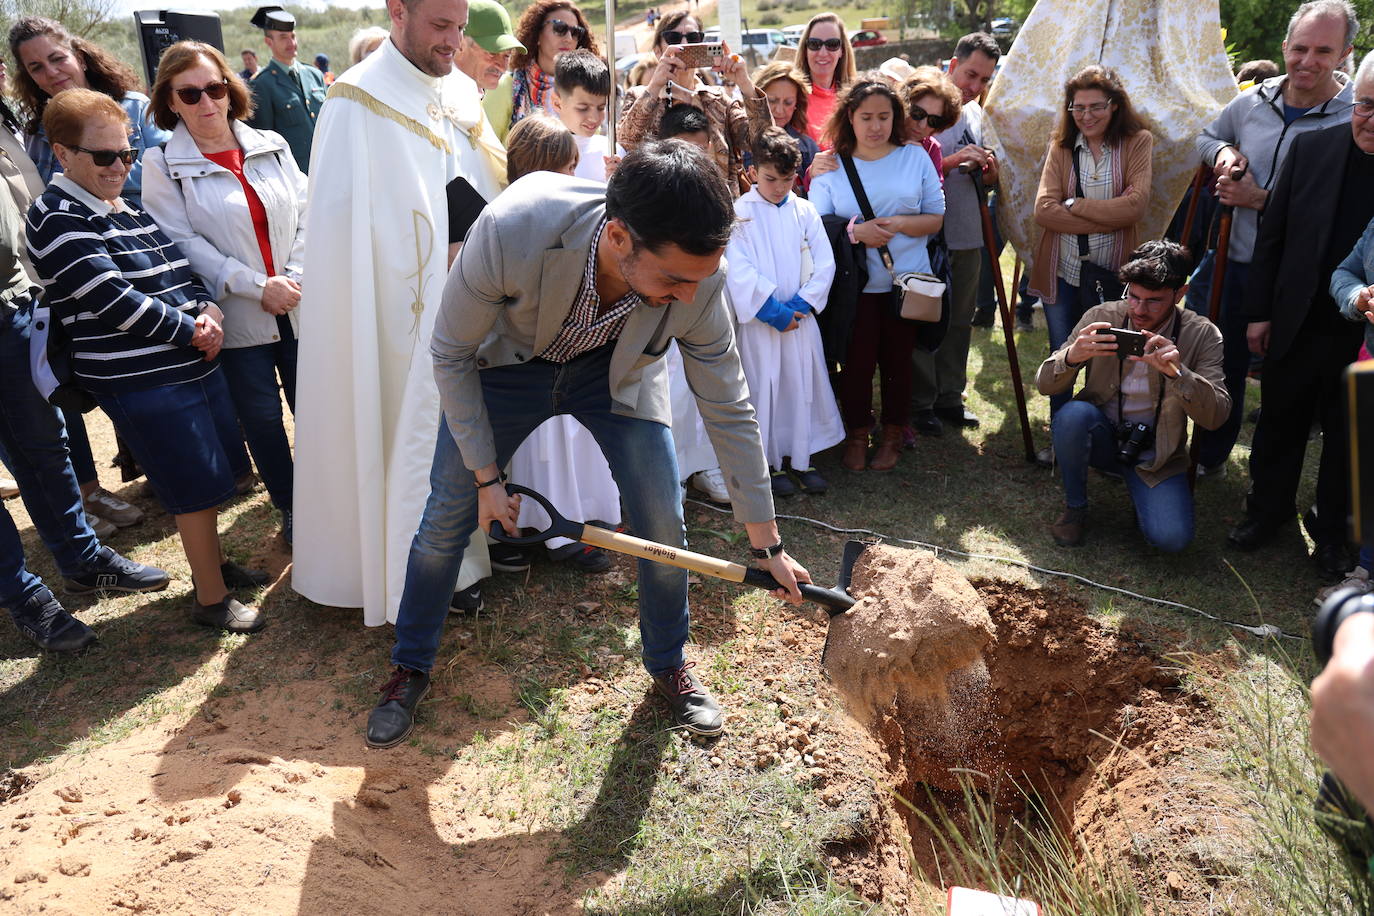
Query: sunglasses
<point x="561" y="28"/>
<point x="674" y="37"/>
<point x="936" y="122"/>
<point x="830" y="44"/>
<point x="190" y="95"/>
<point x="106" y="157"/>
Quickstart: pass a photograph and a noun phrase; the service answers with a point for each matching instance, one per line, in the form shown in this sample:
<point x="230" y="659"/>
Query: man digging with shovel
<point x="564" y="299"/>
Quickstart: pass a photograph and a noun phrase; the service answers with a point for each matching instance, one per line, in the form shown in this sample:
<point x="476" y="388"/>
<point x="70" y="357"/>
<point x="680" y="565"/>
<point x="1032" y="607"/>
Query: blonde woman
<point x="827" y="62"/>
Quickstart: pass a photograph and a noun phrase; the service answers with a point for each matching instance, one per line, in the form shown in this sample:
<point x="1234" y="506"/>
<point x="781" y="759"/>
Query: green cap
<point x="489" y="26"/>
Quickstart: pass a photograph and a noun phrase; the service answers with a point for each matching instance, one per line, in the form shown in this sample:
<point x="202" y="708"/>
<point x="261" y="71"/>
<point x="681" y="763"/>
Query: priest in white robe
<point x="394" y="132"/>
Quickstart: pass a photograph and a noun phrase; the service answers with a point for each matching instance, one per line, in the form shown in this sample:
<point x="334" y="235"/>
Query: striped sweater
<point x="123" y="292"/>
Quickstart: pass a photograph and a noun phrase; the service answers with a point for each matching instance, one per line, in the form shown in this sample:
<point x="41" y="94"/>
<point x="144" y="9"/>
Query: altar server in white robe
<point x="394" y="132"/>
<point x="778" y="275"/>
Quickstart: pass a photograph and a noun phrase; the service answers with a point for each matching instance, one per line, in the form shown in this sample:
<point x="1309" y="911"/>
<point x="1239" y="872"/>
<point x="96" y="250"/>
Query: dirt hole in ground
<point x="1057" y="722"/>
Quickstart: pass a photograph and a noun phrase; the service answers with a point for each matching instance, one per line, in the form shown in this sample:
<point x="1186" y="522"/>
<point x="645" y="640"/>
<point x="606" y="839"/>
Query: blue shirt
<point x="902" y="182"/>
<point x="143" y="133"/>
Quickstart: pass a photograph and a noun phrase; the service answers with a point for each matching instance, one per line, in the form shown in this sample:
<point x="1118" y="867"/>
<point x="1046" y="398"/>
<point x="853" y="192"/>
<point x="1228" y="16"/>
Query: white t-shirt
<point x="593" y="154"/>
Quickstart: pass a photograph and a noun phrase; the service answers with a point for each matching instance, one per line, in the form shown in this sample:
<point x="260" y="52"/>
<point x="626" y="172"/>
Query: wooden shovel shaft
<point x="661" y="553"/>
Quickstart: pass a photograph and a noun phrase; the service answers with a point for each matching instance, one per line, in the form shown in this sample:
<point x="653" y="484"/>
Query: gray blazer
<point x="510" y="291"/>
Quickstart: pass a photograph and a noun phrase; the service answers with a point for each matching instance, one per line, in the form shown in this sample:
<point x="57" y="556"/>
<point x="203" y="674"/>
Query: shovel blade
<point x="852" y="549"/>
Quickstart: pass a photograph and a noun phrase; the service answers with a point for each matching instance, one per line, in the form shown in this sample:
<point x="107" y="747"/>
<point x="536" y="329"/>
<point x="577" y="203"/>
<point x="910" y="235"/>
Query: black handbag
<point x="1094" y="283"/>
<point x="50" y="363"/>
<point x="898" y="292"/>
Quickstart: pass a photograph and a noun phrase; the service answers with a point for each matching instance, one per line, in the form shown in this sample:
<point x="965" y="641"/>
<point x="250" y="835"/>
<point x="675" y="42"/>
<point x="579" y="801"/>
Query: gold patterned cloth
<point x="1171" y="61"/>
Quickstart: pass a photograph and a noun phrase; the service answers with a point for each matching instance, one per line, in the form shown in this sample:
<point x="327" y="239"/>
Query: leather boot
<point x="885" y="458"/>
<point x="856" y="449"/>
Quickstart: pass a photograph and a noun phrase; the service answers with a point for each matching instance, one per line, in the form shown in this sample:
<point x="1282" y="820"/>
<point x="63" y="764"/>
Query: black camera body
<point x="1131" y="440"/>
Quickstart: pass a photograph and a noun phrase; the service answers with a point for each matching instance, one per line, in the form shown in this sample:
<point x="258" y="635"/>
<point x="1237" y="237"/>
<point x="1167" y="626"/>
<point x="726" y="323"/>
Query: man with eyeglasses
<point x="940" y="377"/>
<point x="287" y="94"/>
<point x="1130" y="419"/>
<point x="1254" y="132"/>
<point x="1320" y="205"/>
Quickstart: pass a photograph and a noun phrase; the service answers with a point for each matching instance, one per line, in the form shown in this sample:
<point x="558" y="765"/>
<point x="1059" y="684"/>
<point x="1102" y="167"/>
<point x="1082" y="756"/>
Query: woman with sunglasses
<point x="145" y="334"/>
<point x="50" y="60"/>
<point x="1101" y="144"/>
<point x="233" y="199"/>
<point x="547" y="28"/>
<point x="827" y="62"/>
<point x="869" y="126"/>
<point x="732" y="123"/>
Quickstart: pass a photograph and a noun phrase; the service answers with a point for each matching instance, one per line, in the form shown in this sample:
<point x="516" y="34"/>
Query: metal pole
<point x="613" y="107"/>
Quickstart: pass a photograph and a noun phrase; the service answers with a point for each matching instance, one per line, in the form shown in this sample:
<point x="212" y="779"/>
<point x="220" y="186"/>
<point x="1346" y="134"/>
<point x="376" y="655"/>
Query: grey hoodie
<point x="1253" y="121"/>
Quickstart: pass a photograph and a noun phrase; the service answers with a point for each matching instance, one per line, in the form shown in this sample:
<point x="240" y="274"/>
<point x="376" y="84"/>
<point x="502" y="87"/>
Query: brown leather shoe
<point x="889" y="449"/>
<point x="856" y="449"/>
<point x="1068" y="531"/>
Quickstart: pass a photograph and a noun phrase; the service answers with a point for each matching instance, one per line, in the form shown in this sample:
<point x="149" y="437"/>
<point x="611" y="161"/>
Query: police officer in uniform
<point x="287" y="94"/>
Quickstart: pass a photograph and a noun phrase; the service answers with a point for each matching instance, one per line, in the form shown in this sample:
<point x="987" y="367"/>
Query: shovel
<point x="836" y="601"/>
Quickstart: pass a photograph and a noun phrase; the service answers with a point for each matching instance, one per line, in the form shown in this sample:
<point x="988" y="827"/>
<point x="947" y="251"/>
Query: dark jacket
<point x="1297" y="232"/>
<point x="279" y="105"/>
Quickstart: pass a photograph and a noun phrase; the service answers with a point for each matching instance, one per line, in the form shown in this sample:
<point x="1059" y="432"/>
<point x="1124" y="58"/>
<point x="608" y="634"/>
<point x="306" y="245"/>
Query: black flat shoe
<point x="228" y="615"/>
<point x="236" y="576"/>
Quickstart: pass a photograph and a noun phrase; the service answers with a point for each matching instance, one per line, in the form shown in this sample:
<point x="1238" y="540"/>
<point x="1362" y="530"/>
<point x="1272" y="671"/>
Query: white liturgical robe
<point x="390" y="139"/>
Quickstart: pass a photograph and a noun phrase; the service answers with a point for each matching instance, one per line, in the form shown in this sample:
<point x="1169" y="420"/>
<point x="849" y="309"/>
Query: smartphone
<point x="697" y="56"/>
<point x="1128" y="343"/>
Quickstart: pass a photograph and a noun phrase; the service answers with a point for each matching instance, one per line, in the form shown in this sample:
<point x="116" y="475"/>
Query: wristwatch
<point x="766" y="553"/>
<point x="1068" y="204"/>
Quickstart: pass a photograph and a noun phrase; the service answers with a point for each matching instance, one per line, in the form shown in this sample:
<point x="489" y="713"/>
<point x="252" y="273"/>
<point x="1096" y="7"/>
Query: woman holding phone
<point x="734" y="123"/>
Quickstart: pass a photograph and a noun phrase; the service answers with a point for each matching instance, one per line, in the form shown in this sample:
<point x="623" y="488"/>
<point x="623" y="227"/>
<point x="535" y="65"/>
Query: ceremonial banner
<point x="1172" y="63"/>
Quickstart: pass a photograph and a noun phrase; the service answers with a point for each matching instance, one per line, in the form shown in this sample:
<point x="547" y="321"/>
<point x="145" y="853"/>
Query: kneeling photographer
<point x="1150" y="366"/>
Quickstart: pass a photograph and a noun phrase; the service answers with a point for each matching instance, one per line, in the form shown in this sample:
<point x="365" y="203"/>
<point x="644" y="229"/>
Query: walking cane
<point x="974" y="171"/>
<point x="1224" y="217"/>
<point x="1199" y="182"/>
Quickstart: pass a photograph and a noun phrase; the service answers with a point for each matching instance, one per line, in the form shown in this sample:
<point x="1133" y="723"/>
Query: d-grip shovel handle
<point x="837" y="602"/>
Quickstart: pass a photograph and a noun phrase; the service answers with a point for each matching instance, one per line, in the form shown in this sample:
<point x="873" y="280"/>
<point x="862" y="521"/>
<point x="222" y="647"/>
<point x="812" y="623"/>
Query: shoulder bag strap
<point x="1083" y="252"/>
<point x="865" y="208"/>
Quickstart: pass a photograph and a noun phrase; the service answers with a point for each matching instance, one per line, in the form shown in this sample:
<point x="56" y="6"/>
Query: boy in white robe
<point x="780" y="267"/>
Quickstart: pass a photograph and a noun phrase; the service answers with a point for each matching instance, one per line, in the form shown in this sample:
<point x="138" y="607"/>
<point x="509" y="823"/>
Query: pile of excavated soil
<point x="916" y="633"/>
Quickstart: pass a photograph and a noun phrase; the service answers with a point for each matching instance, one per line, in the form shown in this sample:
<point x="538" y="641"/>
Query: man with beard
<point x="564" y="299"/>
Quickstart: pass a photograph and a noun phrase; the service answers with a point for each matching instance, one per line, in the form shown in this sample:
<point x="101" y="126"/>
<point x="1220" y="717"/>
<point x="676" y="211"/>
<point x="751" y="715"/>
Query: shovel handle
<point x="835" y="602"/>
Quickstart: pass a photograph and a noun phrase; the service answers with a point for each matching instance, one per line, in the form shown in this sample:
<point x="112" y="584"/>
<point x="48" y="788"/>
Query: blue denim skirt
<point x="179" y="433"/>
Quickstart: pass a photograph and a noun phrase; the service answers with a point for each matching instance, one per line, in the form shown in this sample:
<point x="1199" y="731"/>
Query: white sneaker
<point x="1356" y="578"/>
<point x="102" y="528"/>
<point x="114" y="510"/>
<point x="712" y="484"/>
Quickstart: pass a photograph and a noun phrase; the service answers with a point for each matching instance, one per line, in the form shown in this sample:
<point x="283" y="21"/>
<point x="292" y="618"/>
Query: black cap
<point x="274" y="18"/>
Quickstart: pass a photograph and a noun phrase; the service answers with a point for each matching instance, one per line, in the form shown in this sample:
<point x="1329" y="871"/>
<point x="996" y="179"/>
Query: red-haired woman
<point x="547" y="28"/>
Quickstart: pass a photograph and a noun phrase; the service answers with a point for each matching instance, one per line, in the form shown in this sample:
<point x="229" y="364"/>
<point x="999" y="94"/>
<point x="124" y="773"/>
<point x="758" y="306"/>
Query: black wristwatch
<point x="766" y="553"/>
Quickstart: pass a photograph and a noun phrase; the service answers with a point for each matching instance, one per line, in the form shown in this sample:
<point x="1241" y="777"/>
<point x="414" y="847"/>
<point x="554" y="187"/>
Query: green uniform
<point x="289" y="108"/>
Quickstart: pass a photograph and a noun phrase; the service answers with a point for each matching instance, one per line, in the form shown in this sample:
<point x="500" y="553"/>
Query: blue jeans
<point x="1083" y="438"/>
<point x="33" y="445"/>
<point x="640" y="452"/>
<point x="1061" y="317"/>
<point x="252" y="376"/>
<point x="1216" y="444"/>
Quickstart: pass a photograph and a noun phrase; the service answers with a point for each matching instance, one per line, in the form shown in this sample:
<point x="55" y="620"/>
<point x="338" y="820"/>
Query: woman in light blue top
<point x="869" y="129"/>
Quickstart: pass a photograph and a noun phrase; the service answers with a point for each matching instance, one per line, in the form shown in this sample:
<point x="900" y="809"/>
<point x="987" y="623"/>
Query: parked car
<point x="866" y="38"/>
<point x="794" y="33"/>
<point x="765" y="41"/>
<point x="1005" y="28"/>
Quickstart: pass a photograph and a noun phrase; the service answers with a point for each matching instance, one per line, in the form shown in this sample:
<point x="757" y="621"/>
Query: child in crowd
<point x="788" y="93"/>
<point x="686" y="122"/>
<point x="781" y="267"/>
<point x="559" y="459"/>
<point x="581" y="92"/>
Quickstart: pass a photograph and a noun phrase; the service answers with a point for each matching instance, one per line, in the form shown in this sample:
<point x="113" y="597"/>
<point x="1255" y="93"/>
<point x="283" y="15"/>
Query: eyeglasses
<point x="1364" y="107"/>
<point x="190" y="95"/>
<point x="561" y="28"/>
<point x="106" y="157"/>
<point x="1095" y="108"/>
<point x="674" y="37"/>
<point x="830" y="44"/>
<point x="936" y="122"/>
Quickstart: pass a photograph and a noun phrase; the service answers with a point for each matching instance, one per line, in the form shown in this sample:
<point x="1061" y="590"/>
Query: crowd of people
<point x="446" y="270"/>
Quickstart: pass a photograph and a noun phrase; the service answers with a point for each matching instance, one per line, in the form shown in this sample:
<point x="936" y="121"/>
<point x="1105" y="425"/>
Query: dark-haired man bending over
<point x="577" y="323"/>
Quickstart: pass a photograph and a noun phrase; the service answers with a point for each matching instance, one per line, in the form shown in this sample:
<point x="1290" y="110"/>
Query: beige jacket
<point x="511" y="289"/>
<point x="1199" y="393"/>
